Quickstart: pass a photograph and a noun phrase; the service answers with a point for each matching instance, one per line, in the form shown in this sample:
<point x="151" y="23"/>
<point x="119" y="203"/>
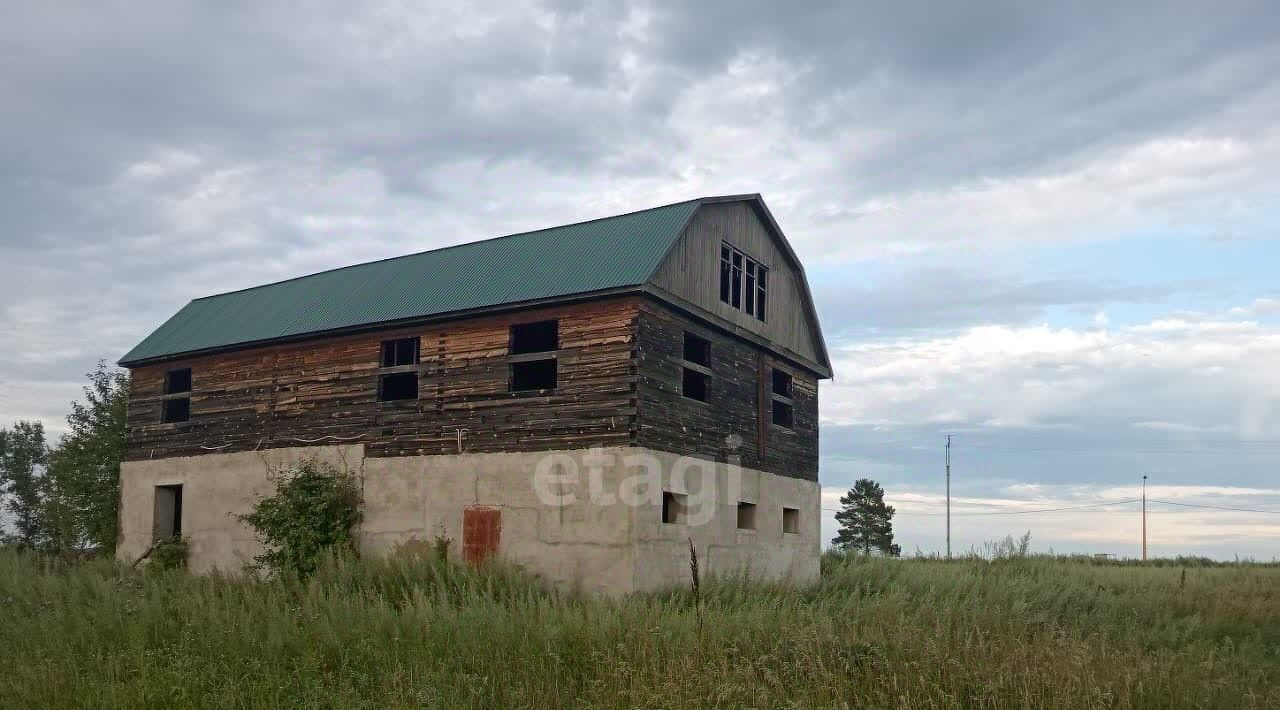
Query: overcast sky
<point x="1051" y="232"/>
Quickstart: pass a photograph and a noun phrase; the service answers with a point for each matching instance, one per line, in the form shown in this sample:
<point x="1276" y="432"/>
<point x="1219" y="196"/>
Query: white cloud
<point x="1107" y="527"/>
<point x="1180" y="428"/>
<point x="1170" y="374"/>
<point x="163" y="163"/>
<point x="1185" y="183"/>
<point x="1259" y="307"/>
<point x="353" y="132"/>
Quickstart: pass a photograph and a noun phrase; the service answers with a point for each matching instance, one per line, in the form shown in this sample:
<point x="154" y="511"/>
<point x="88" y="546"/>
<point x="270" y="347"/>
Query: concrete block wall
<point x="595" y="542"/>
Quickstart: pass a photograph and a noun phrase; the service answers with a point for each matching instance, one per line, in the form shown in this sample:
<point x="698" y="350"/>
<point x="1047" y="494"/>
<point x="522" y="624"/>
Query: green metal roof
<point x="602" y="254"/>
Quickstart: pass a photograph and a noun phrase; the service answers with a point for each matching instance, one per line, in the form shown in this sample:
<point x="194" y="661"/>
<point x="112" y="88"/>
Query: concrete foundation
<point x="588" y="520"/>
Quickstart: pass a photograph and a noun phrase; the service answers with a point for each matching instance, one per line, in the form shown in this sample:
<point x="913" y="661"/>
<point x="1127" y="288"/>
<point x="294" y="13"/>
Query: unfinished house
<point x="581" y="401"/>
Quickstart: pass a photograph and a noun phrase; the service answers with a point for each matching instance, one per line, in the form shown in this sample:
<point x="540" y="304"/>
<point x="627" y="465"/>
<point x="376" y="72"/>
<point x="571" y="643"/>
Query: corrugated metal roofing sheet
<point x="607" y="253"/>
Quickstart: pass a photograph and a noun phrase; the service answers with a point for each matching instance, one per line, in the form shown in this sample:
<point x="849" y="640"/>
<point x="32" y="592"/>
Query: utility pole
<point x="1144" y="518"/>
<point x="948" y="496"/>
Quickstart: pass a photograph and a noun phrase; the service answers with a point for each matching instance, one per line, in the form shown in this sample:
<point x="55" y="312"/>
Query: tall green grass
<point x="1015" y="633"/>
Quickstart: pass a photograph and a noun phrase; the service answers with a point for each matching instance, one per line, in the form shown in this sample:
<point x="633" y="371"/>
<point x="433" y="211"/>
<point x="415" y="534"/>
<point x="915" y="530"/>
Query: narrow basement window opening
<point x="167" y="522"/>
<point x="746" y="516"/>
<point x="673" y="508"/>
<point x="397" y="386"/>
<point x="791" y="521"/>
<point x="401" y="351"/>
<point x="530" y="368"/>
<point x="782" y="403"/>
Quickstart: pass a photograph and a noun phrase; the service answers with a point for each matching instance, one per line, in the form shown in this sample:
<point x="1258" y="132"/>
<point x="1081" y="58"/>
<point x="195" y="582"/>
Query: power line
<point x="1026" y="512"/>
<point x="1216" y="507"/>
<point x="1086" y="508"/>
<point x="1270" y="450"/>
<point x="1053" y="510"/>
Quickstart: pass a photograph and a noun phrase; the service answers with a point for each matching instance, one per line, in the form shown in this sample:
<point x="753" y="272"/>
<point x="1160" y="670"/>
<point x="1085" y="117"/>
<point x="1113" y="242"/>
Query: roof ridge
<point x="458" y="246"/>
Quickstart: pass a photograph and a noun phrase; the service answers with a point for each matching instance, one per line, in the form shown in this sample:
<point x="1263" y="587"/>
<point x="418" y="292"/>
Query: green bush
<point x="169" y="554"/>
<point x="313" y="513"/>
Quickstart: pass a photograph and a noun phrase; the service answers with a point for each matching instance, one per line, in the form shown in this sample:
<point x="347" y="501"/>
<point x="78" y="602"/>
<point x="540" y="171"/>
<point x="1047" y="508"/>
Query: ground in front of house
<point x="1033" y="632"/>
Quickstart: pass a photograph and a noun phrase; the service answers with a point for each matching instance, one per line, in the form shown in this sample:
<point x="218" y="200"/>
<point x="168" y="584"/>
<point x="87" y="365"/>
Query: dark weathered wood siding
<point x="692" y="272"/>
<point x="738" y="399"/>
<point x="325" y="391"/>
<point x="619" y="384"/>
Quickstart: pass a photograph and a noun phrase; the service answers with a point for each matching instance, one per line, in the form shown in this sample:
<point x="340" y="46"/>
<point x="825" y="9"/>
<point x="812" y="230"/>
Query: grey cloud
<point x="359" y="116"/>
<point x="963" y="92"/>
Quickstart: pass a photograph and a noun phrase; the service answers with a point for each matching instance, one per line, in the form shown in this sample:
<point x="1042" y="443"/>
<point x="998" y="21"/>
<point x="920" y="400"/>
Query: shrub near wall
<point x="313" y="513"/>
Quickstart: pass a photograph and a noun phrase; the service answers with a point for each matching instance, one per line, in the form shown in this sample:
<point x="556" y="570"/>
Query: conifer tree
<point x="866" y="523"/>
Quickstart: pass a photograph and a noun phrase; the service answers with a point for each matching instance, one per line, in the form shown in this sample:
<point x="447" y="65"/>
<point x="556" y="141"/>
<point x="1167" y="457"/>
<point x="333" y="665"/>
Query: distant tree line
<point x="63" y="497"/>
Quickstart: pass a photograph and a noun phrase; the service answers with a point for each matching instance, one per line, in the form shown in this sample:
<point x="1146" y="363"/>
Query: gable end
<point x="689" y="277"/>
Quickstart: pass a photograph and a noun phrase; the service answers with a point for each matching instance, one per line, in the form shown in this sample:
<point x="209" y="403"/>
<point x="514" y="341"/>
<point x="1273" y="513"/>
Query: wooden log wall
<point x="323" y="392"/>
<point x="738" y="400"/>
<point x="619" y="384"/>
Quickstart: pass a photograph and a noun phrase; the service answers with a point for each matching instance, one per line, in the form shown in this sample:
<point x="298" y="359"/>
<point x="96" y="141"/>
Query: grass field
<point x="1019" y="633"/>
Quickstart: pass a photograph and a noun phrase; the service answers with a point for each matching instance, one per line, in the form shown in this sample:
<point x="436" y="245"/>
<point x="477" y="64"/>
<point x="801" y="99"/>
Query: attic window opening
<point x="696" y="367"/>
<point x="533" y="359"/>
<point x="782" y="402"/>
<point x="176" y="405"/>
<point x="743" y="281"/>
<point x="401" y="351"/>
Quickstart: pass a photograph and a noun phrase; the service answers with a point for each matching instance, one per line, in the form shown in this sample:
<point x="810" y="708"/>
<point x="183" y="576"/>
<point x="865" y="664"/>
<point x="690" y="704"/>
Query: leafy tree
<point x="866" y="523"/>
<point x="84" y="471"/>
<point x="314" y="511"/>
<point x="23" y="457"/>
